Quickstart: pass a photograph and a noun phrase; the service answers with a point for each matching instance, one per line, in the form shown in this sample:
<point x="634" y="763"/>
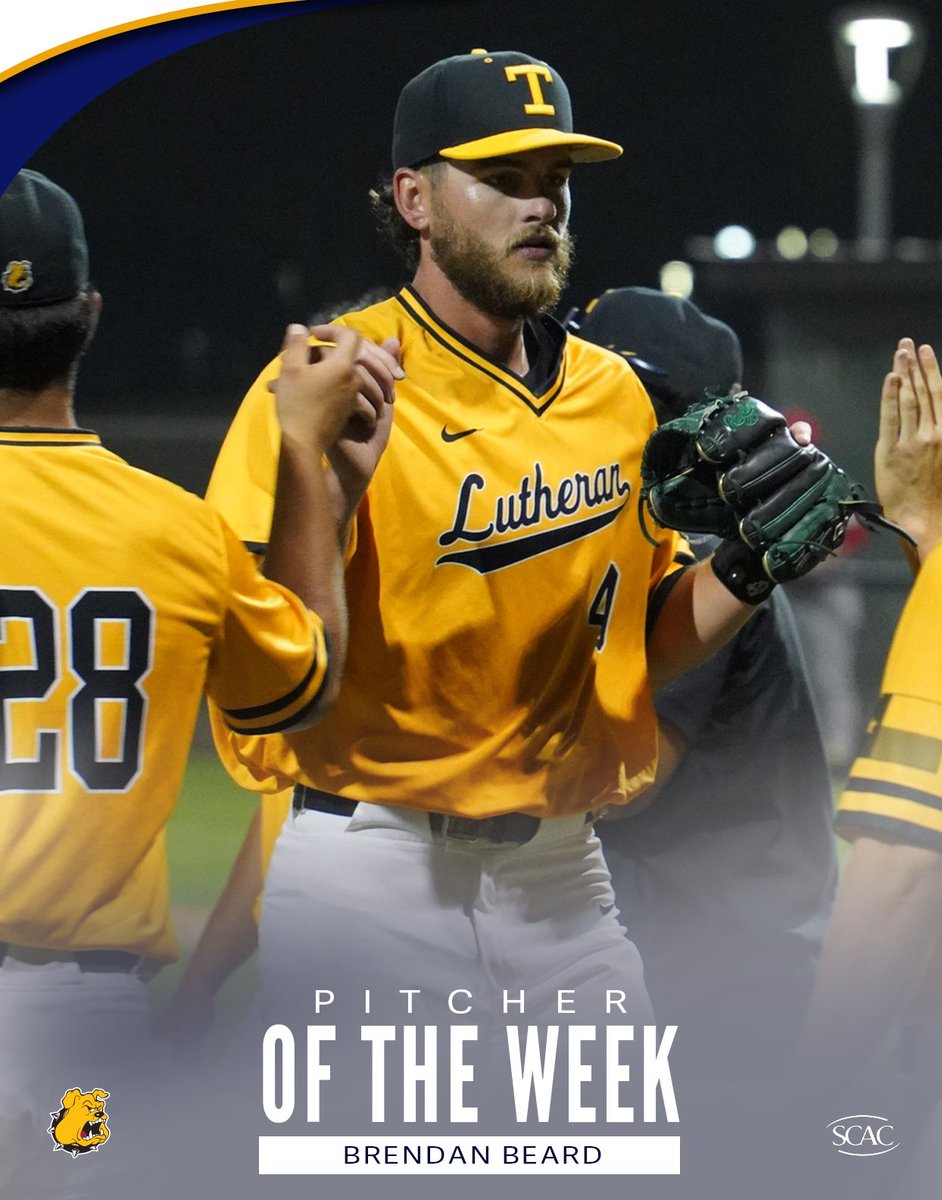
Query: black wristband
<point x="740" y="571"/>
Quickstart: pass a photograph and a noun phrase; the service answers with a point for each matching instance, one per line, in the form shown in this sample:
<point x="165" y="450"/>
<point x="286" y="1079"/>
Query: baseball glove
<point x="730" y="467"/>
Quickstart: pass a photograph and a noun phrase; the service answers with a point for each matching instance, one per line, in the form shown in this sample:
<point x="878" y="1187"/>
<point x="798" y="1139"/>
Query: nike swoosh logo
<point x="456" y="437"/>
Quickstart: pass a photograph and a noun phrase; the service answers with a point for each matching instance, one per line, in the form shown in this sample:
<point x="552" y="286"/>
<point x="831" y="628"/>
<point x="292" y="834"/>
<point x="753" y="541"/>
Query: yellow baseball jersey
<point x="498" y="588"/>
<point x="895" y="786"/>
<point x="121" y="598"/>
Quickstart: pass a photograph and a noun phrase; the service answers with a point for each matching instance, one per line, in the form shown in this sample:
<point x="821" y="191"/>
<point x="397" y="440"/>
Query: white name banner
<point x="561" y="1155"/>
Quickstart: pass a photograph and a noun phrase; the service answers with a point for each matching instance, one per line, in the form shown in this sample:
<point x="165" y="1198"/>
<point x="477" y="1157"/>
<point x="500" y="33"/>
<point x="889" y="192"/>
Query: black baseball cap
<point x="481" y="105"/>
<point x="43" y="252"/>
<point x="677" y="350"/>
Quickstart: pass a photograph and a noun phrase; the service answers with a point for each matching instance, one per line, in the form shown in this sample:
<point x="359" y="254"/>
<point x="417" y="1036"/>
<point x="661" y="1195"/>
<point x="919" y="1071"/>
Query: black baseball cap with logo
<point x="43" y="252"/>
<point x="483" y="105"/>
<point x="676" y="350"/>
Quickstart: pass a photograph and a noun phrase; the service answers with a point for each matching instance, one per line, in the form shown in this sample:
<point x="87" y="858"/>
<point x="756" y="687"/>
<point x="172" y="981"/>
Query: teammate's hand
<point x="354" y="456"/>
<point x="908" y="453"/>
<point x="379" y="370"/>
<point x="319" y="388"/>
<point x="186" y="1019"/>
<point x="355" y="445"/>
<point x="339" y="388"/>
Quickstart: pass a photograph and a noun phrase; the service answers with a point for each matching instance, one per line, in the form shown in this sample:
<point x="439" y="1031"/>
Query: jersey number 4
<point x="600" y="610"/>
<point x="109" y="635"/>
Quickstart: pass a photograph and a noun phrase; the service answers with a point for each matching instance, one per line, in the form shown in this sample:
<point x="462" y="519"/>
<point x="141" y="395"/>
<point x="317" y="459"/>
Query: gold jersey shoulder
<point x="498" y="590"/>
<point x="895" y="786"/>
<point x="125" y="599"/>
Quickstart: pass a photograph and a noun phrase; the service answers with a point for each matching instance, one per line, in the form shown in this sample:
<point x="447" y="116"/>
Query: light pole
<point x="879" y="52"/>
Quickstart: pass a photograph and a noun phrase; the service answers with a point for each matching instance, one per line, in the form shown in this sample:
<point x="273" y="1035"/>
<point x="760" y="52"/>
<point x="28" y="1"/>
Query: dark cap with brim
<point x="486" y="105"/>
<point x="676" y="350"/>
<point x="43" y="252"/>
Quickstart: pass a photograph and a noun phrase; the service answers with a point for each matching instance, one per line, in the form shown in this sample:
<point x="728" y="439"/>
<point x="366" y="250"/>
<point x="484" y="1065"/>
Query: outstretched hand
<point x="908" y="453"/>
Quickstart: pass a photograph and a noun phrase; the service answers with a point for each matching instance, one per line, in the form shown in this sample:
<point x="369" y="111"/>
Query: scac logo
<point x="862" y="1135"/>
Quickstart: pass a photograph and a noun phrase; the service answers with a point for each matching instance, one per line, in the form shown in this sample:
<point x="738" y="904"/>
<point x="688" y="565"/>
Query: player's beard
<point x="487" y="278"/>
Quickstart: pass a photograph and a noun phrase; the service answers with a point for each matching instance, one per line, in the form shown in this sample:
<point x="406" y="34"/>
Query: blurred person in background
<point x="725" y="878"/>
<point x="829" y="610"/>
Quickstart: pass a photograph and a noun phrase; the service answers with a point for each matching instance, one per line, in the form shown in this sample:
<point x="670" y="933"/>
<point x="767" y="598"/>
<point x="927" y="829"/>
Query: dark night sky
<point x="213" y="175"/>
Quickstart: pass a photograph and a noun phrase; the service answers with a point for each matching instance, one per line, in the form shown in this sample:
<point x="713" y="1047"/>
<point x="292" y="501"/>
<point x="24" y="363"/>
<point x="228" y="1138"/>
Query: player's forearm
<point x="347" y="489"/>
<point x="883" y="933"/>
<point x="699" y="616"/>
<point x="230" y="934"/>
<point x="228" y="938"/>
<point x="303" y="551"/>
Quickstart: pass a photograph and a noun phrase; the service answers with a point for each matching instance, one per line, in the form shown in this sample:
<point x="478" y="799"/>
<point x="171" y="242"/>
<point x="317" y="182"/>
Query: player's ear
<point x="94" y="299"/>
<point x="411" y="194"/>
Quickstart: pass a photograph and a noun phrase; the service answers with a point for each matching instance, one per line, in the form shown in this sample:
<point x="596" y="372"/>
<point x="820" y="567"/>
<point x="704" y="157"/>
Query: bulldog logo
<point x="17" y="275"/>
<point x="80" y="1125"/>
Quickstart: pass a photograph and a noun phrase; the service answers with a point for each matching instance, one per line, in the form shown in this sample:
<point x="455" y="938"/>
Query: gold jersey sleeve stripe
<point x="287" y="723"/>
<point x="880" y="787"/>
<point x="283" y="702"/>
<point x="854" y="821"/>
<point x="906" y="748"/>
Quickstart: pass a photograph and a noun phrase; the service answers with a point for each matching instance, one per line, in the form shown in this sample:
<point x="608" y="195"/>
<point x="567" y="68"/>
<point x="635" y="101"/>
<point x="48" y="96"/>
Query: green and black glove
<point x="730" y="467"/>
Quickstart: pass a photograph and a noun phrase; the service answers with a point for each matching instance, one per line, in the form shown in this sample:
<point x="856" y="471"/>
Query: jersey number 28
<point x="109" y="635"/>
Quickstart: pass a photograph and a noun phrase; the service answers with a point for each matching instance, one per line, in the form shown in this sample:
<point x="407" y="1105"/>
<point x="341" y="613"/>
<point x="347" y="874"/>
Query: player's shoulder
<point x="387" y="318"/>
<point x="375" y="321"/>
<point x="914" y="666"/>
<point x="590" y="356"/>
<point x="605" y="376"/>
<point x="159" y="508"/>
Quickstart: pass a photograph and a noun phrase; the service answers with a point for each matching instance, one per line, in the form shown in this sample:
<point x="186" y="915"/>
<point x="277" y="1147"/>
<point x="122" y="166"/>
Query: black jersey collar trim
<point x="543" y="382"/>
<point x="40" y="435"/>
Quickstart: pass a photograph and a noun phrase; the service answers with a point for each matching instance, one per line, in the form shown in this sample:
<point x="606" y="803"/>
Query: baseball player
<point x="872" y="1032"/>
<point x="884" y="935"/>
<point x="497" y="691"/>
<point x="725" y="880"/>
<point x="122" y="599"/>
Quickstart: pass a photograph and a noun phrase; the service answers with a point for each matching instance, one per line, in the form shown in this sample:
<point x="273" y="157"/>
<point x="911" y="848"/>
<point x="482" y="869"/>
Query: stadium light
<point x="792" y="242"/>
<point x="880" y="51"/>
<point x="676" y="278"/>
<point x="734" y="241"/>
<point x="872" y="39"/>
<point x="824" y="243"/>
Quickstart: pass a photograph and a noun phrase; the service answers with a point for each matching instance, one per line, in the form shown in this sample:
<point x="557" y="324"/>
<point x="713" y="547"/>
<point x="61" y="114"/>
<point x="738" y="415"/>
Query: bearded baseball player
<point x="508" y="615"/>
<point x="122" y="600"/>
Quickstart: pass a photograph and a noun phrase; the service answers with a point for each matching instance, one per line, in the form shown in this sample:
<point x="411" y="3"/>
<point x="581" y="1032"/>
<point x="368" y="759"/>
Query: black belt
<point x="507" y="828"/>
<point x="86" y="960"/>
<point x="318" y="801"/>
